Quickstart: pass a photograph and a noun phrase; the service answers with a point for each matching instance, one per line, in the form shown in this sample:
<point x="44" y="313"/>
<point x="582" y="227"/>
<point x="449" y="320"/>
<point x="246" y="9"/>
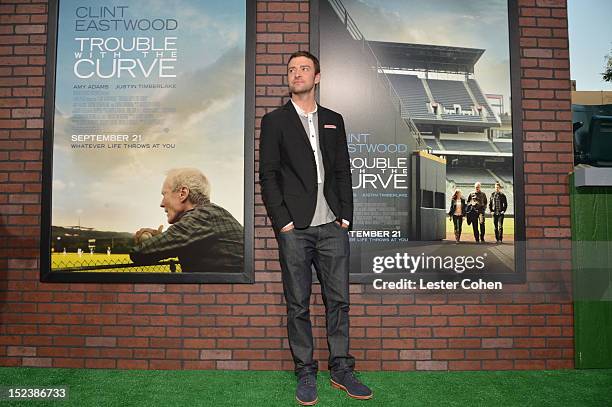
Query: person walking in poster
<point x="456" y="213"/>
<point x="498" y="205"/>
<point x="478" y="201"/>
<point x="306" y="187"/>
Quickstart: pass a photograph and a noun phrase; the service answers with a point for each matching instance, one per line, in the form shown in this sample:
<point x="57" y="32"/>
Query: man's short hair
<point x="477" y="184"/>
<point x="308" y="55"/>
<point x="192" y="179"/>
<point x="499" y="184"/>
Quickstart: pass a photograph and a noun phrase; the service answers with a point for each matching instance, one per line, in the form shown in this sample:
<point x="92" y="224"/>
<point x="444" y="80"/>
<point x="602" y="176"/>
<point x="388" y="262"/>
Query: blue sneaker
<point x="346" y="380"/>
<point x="306" y="391"/>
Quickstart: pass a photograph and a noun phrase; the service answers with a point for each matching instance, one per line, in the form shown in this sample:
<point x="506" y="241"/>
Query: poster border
<point x="247" y="275"/>
<point x="518" y="276"/>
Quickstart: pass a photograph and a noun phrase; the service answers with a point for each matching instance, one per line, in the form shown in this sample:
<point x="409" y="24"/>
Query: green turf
<point x="99" y="387"/>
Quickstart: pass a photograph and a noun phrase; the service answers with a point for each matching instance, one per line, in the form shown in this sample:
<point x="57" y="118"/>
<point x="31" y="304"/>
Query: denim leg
<point x="331" y="261"/>
<point x="296" y="249"/>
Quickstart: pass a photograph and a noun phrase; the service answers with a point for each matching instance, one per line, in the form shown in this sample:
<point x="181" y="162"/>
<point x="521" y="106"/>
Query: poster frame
<point x="47" y="275"/>
<point x="518" y="276"/>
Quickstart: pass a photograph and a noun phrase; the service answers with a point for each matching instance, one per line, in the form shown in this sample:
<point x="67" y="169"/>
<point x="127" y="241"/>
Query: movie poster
<point x="149" y="97"/>
<point x="425" y="91"/>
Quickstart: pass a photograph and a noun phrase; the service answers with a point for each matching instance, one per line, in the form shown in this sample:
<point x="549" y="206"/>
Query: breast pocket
<point x="330" y="140"/>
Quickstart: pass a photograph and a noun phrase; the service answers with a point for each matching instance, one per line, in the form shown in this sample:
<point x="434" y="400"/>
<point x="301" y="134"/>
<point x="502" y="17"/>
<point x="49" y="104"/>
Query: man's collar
<point x="299" y="110"/>
<point x="184" y="213"/>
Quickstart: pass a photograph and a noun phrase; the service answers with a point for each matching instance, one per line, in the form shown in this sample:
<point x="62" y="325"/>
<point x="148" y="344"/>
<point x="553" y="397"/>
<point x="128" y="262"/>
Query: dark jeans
<point x="498" y="223"/>
<point x="457" y="222"/>
<point x="327" y="247"/>
<point x="479" y="236"/>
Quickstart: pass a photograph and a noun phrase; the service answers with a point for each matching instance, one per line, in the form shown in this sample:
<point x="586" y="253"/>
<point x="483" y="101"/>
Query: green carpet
<point x="98" y="387"/>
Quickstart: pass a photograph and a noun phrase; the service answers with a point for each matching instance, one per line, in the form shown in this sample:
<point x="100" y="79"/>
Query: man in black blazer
<point x="306" y="186"/>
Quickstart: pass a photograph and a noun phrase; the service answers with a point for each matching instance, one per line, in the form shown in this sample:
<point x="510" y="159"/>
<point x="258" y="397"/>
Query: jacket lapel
<point x="322" y="140"/>
<point x="295" y="119"/>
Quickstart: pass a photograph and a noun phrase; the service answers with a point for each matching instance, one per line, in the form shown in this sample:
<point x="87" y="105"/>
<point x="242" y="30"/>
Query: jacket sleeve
<point x="491" y="203"/>
<point x="342" y="172"/>
<point x="168" y="244"/>
<point x="270" y="173"/>
<point x="504" y="203"/>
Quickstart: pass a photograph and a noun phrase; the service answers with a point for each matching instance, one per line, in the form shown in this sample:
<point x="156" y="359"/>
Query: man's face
<point x="477" y="187"/>
<point x="497" y="188"/>
<point x="173" y="202"/>
<point x="301" y="75"/>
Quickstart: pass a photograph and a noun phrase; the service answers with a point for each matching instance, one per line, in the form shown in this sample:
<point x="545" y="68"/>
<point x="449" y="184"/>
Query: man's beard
<point x="300" y="92"/>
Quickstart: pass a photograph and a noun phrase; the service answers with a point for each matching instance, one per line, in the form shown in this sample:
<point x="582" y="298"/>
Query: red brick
<point x="464" y="365"/>
<point x="560" y="364"/>
<point x="448" y="354"/>
<point x="232" y="364"/>
<point x="497" y="342"/>
<point x="283" y="27"/>
<point x="30" y="29"/>
<point x="14" y="19"/>
<point x="215" y="354"/>
<point x="529" y="364"/>
<point x="101" y="341"/>
<point x="447" y="310"/>
<point x="552" y="22"/>
<point x="37" y="362"/>
<point x="414" y="310"/>
<point x="431" y="321"/>
<point x="497" y="364"/>
<point x="431" y="343"/>
<point x="398" y="365"/>
<point x="269" y="17"/>
<point x="28" y="49"/>
<point x="415" y="354"/>
<point x="21" y="351"/>
<point x="534" y="11"/>
<point x="431" y="365"/>
<point x="445" y="332"/>
<point x="132" y="364"/>
<point x="481" y="354"/>
<point x="536" y="52"/>
<point x="31" y="8"/>
<point x="267" y="38"/>
<point x="7" y="9"/>
<point x="100" y="363"/>
<point x="296" y="17"/>
<point x="69" y="363"/>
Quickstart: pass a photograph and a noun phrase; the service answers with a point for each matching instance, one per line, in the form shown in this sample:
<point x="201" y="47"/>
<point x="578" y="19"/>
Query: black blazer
<point x="287" y="168"/>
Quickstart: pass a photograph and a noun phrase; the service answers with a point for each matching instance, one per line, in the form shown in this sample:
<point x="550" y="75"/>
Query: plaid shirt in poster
<point x="205" y="239"/>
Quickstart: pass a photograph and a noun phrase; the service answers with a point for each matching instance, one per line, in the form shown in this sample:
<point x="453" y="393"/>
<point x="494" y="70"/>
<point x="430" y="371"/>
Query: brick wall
<point x="157" y="326"/>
